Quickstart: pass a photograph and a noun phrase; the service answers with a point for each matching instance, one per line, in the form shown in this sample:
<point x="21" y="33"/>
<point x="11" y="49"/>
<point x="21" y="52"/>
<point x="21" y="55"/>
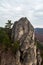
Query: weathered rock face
<point x="21" y="28"/>
<point x="7" y="57"/>
<point x="24" y="32"/>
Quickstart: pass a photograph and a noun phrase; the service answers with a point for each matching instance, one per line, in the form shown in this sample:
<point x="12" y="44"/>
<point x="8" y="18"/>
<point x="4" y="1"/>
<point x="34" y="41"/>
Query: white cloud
<point x="15" y="9"/>
<point x="18" y="8"/>
<point x="38" y="26"/>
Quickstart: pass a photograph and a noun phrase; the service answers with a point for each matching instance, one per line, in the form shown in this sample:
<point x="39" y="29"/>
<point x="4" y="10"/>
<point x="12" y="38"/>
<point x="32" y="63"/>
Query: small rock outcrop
<point x="24" y="32"/>
<point x="39" y="58"/>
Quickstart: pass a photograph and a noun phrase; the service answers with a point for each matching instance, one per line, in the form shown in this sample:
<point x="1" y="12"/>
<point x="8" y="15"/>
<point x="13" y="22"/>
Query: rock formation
<point x="24" y="32"/>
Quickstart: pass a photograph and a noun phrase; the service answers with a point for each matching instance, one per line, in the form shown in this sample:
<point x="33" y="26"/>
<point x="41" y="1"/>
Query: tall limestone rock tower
<point x="24" y="32"/>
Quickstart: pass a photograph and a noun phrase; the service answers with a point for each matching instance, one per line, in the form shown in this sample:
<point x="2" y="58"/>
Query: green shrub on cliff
<point x="4" y="39"/>
<point x="15" y="46"/>
<point x="5" y="42"/>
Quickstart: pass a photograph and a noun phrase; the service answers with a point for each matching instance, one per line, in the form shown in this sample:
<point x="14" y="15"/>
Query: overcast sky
<point x="15" y="9"/>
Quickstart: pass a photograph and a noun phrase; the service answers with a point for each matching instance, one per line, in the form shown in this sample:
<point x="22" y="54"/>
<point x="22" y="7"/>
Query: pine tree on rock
<point x="9" y="24"/>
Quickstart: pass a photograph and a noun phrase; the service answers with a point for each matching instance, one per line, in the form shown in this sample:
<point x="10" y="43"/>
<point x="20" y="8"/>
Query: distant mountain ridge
<point x="39" y="34"/>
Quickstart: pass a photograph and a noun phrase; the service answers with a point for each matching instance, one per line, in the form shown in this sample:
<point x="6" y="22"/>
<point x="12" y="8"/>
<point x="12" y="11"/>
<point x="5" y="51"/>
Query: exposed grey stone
<point x="20" y="28"/>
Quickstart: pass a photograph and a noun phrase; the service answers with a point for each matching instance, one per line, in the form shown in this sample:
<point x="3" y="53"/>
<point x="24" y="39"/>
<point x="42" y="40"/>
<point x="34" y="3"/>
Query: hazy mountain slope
<point x="39" y="34"/>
